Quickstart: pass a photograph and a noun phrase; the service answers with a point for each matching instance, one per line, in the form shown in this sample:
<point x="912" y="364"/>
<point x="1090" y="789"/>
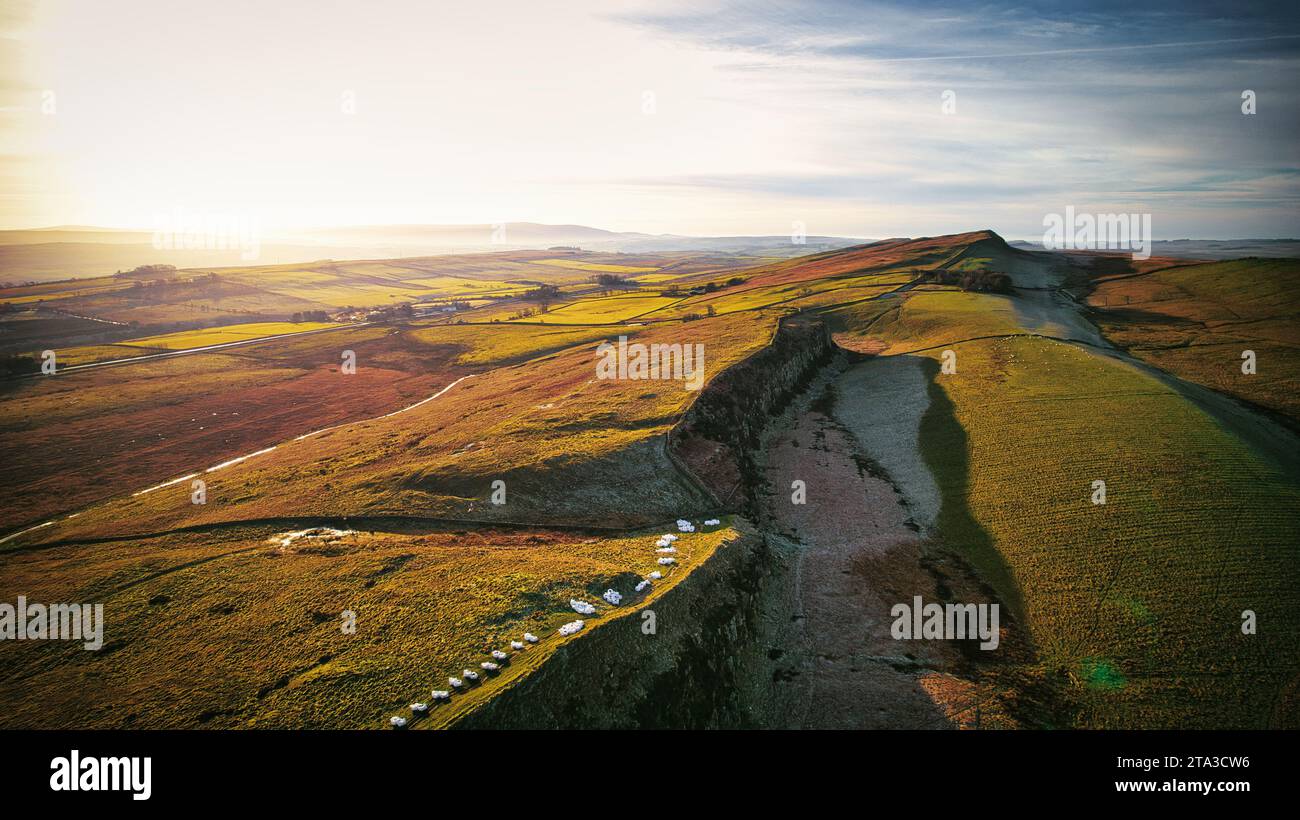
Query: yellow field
<point x="602" y="310"/>
<point x="594" y="267"/>
<point x="220" y="335"/>
<point x="496" y="344"/>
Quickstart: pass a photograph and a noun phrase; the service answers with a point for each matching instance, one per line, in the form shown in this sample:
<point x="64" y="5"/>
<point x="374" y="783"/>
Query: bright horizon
<point x="680" y="118"/>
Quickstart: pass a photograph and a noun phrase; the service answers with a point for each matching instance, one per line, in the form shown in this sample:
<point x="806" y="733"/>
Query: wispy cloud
<point x="684" y="116"/>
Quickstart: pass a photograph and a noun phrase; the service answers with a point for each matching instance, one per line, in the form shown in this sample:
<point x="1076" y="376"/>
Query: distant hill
<point x="64" y="252"/>
<point x="1208" y="248"/>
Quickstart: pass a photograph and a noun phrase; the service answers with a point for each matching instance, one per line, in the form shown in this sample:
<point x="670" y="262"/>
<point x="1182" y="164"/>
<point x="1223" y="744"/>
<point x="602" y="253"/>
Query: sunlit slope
<point x="1196" y="321"/>
<point x="570" y="447"/>
<point x="964" y="251"/>
<point x="237" y="630"/>
<point x="1135" y="606"/>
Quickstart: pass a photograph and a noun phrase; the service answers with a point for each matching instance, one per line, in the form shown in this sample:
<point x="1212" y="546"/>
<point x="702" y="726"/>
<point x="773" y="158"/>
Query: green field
<point x="1135" y="607"/>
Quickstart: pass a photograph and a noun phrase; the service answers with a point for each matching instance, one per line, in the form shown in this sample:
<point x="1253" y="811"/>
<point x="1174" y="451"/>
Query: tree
<point x="543" y="295"/>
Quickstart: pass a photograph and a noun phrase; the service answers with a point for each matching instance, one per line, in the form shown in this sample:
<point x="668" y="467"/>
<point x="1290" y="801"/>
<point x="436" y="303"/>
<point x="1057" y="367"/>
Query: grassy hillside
<point x="546" y="424"/>
<point x="1135" y="607"/>
<point x="1196" y="320"/>
<point x="234" y="630"/>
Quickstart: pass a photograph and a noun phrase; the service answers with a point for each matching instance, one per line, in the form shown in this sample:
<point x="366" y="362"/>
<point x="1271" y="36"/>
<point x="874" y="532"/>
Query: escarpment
<point x="719" y="435"/>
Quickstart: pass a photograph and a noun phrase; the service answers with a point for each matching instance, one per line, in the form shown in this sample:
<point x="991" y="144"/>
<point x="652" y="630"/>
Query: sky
<point x="702" y="118"/>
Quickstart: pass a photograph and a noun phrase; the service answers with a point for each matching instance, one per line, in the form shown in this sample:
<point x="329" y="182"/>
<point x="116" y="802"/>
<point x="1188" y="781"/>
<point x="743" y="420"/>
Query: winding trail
<point x="240" y="459"/>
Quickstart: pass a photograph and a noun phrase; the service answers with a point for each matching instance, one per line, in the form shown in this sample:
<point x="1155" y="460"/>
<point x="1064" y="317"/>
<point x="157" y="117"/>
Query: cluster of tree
<point x="310" y="316"/>
<point x="14" y="364"/>
<point x="543" y="295"/>
<point x="981" y="281"/>
<point x="149" y="272"/>
<point x="392" y="313"/>
<point x="611" y="280"/>
<point x="708" y="287"/>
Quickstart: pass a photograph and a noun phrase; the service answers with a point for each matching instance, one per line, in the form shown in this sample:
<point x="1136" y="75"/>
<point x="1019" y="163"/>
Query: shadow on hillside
<point x="945" y="450"/>
<point x="1143" y="316"/>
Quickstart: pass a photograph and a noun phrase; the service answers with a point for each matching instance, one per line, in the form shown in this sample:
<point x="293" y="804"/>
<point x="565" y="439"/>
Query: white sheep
<point x="469" y="674"/>
<point x="455" y="683"/>
<point x="666" y="561"/>
<point x="419" y="707"/>
<point x="582" y="607"/>
<point x="571" y="627"/>
<point x="397" y="721"/>
<point x="613" y="596"/>
<point x="516" y="645"/>
<point x="669" y="537"/>
<point x="712" y="522"/>
<point x="530" y="637"/>
<point x="645" y="582"/>
<point x="667" y="549"/>
<point x="656" y="575"/>
<point x="440" y="694"/>
<point x="499" y="655"/>
<point x="489" y="666"/>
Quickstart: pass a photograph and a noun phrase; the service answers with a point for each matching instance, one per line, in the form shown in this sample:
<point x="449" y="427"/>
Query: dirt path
<point x="856" y="555"/>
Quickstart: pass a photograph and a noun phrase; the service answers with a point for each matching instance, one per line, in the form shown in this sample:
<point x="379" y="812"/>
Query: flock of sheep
<point x="664" y="545"/>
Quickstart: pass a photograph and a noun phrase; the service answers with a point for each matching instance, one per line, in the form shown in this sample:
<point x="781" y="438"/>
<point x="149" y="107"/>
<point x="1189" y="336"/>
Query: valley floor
<point x="853" y="552"/>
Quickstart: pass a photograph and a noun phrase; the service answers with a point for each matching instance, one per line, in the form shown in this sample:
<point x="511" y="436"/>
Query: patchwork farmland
<point x="474" y="481"/>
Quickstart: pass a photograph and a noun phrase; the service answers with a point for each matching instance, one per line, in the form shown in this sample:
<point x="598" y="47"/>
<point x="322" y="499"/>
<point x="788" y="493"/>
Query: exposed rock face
<point x="721" y="432"/>
<point x="711" y="662"/>
<point x="703" y="667"/>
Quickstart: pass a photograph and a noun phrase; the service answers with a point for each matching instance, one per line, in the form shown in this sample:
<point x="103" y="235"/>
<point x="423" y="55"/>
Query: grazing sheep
<point x="668" y="560"/>
<point x="397" y="722"/>
<point x="469" y="674"/>
<point x="419" y="707"/>
<point x="456" y="683"/>
<point x="645" y="582"/>
<point x="530" y="637"/>
<point x="663" y="542"/>
<point x="571" y="627"/>
<point x="516" y="645"/>
<point x="489" y="666"/>
<point x="712" y="522"/>
<point x="669" y="537"/>
<point x="441" y="694"/>
<point x="582" y="607"/>
<point x="499" y="655"/>
<point x="656" y="575"/>
<point x="667" y="549"/>
<point x="612" y="596"/>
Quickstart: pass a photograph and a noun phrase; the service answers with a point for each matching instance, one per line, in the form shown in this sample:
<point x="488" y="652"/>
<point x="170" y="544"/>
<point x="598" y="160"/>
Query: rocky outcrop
<point x="718" y="437"/>
<point x="702" y="667"/>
